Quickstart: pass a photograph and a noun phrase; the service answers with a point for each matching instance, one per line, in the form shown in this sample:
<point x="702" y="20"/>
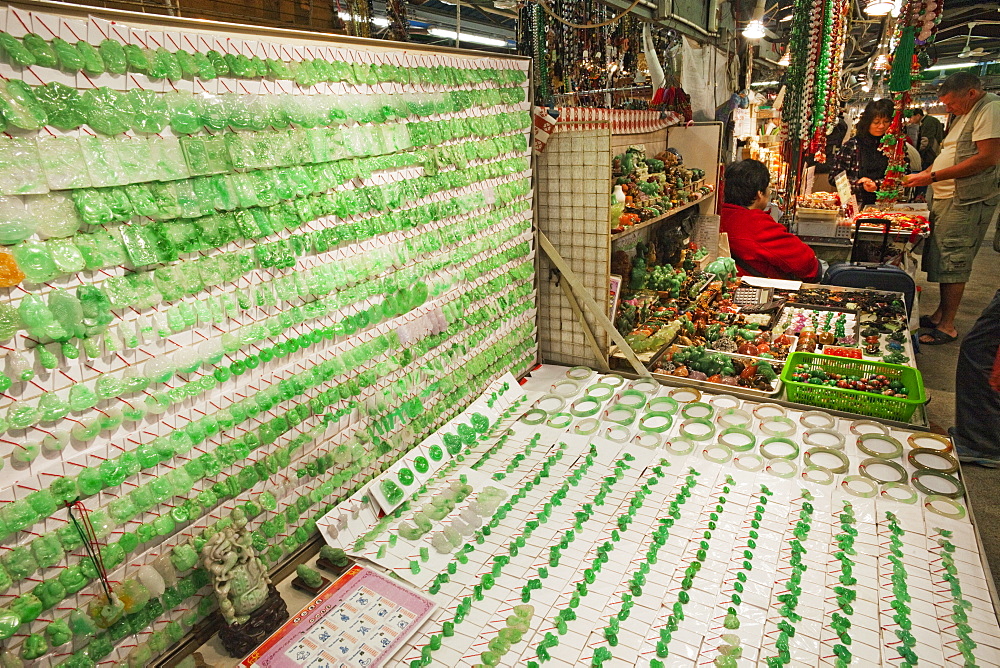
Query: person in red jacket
<point x="759" y="244"/>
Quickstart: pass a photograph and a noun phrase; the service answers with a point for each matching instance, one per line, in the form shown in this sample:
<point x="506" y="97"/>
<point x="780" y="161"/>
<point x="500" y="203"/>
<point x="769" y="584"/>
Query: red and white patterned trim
<point x="622" y="121"/>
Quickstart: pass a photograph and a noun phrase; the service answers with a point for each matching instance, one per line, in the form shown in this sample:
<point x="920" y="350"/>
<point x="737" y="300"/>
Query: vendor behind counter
<point x="759" y="244"/>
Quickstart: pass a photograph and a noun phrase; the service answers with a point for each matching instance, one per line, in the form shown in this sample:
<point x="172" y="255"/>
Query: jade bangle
<point x="909" y="491"/>
<point x="585" y="407"/>
<point x="648" y="440"/>
<point x="845" y="463"/>
<point x="613" y="379"/>
<point x="697" y="409"/>
<point x="817" y="420"/>
<point x="865" y="441"/>
<point x="957" y="512"/>
<point x="579" y="373"/>
<point x="848" y="486"/>
<point x="620" y="414"/>
<point x="685" y="395"/>
<point x="587" y="427"/>
<point x="662" y="405"/>
<point x="687" y="446"/>
<point x="600" y="391"/>
<point x="778" y="425"/>
<point x="823" y="438"/>
<point x="930" y="442"/>
<point x="646" y="386"/>
<point x="777" y="441"/>
<point x="740" y="462"/>
<point x="817" y="475"/>
<point x="868" y="427"/>
<point x="633" y="398"/>
<point x="566" y="388"/>
<point x="764" y="411"/>
<point x="913" y="457"/>
<point x="724" y="401"/>
<point x="559" y="420"/>
<point x="734" y="417"/>
<point x="551" y="403"/>
<point x="782" y="468"/>
<point x="747" y="442"/>
<point x="873" y="461"/>
<point x="918" y="482"/>
<point x="617" y="434"/>
<point x="723" y="456"/>
<point x="537" y="416"/>
<point x="655" y="423"/>
<point x="688" y="429"/>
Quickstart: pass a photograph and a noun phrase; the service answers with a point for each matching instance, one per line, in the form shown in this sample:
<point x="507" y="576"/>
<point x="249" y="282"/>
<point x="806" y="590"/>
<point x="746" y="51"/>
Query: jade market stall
<point x="242" y="272"/>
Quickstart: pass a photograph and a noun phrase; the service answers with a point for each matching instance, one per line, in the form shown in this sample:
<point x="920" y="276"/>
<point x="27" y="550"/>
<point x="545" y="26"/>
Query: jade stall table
<point x="613" y="522"/>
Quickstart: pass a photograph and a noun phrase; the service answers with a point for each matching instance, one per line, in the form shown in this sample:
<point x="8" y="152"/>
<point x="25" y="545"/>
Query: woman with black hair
<point x="761" y="246"/>
<point x="860" y="157"/>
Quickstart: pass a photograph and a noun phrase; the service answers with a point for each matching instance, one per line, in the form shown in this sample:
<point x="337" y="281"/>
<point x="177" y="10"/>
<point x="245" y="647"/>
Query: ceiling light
<point x="755" y="29"/>
<point x="765" y="83"/>
<point x="466" y="37"/>
<point x="786" y="59"/>
<point x="785" y="18"/>
<point x="879" y="7"/>
<point x="957" y="66"/>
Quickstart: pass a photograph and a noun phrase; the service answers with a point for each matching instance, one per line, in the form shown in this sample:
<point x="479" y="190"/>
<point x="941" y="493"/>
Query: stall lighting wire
<point x="585" y="26"/>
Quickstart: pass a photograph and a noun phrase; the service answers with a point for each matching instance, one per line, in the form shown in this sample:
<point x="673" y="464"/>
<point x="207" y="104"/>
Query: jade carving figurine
<point x="239" y="577"/>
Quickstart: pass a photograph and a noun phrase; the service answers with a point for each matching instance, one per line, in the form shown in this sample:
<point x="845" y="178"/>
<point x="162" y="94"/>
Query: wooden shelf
<point x="659" y="219"/>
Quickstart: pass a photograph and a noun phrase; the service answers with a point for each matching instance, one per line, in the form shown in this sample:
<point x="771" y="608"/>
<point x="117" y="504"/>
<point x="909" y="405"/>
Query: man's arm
<point x="987" y="155"/>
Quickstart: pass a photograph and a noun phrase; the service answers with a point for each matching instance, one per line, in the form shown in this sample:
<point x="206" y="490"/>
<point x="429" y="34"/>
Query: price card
<point x="362" y="619"/>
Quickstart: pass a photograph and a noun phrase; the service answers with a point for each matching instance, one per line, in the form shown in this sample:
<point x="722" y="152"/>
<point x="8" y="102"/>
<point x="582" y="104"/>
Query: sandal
<point x="938" y="338"/>
<point x="925" y="322"/>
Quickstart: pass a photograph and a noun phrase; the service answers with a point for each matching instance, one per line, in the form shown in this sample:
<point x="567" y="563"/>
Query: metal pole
<point x="458" y="22"/>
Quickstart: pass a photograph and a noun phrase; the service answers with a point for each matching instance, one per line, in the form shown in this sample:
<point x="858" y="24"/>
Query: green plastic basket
<point x="854" y="401"/>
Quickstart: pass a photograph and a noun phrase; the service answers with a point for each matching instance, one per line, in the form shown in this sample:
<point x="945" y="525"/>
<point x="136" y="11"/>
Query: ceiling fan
<point x="969" y="52"/>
